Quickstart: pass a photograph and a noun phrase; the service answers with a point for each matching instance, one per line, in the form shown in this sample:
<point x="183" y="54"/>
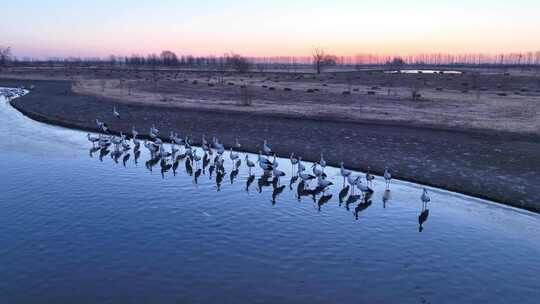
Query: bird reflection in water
<point x="323" y="200"/>
<point x="219" y="179"/>
<point x="387" y="195"/>
<point x="353" y="198"/>
<point x="189" y="167"/>
<point x="136" y="156"/>
<point x="249" y="181"/>
<point x="343" y="194"/>
<point x="233" y="175"/>
<point x="276" y="192"/>
<point x="361" y="207"/>
<point x="314" y="185"/>
<point x="125" y="159"/>
<point x="293" y="181"/>
<point x="263" y="181"/>
<point x="102" y="153"/>
<point x="93" y="150"/>
<point x="197" y="175"/>
<point x="165" y="167"/>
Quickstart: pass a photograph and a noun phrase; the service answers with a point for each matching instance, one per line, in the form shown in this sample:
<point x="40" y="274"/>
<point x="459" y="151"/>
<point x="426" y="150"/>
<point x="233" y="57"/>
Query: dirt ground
<point x="495" y="161"/>
<point x="471" y="101"/>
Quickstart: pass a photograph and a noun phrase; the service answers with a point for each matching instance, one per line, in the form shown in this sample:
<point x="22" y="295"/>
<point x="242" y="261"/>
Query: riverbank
<point x="482" y="164"/>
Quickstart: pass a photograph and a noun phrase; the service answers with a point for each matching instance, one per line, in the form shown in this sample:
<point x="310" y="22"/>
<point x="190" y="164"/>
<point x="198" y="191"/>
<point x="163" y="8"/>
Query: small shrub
<point x="346" y="93"/>
<point x="502" y="94"/>
<point x="371" y="92"/>
<point x="287" y="89"/>
<point x="310" y="90"/>
<point x="245" y="97"/>
<point x="271" y="88"/>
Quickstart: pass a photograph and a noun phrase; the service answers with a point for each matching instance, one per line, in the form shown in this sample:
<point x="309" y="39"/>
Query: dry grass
<point x="449" y="108"/>
<point x="445" y="109"/>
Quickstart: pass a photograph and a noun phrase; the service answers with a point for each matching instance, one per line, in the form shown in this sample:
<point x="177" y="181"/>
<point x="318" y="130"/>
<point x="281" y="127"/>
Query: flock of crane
<point x="312" y="182"/>
<point x="210" y="156"/>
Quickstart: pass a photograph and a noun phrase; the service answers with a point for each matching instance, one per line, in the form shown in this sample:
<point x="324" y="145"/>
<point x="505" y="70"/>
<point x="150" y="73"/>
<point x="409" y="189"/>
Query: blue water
<point x="79" y="230"/>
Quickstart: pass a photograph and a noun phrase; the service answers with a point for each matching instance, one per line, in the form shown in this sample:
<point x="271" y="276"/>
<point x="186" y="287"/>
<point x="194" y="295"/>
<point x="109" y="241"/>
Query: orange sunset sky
<point x="268" y="28"/>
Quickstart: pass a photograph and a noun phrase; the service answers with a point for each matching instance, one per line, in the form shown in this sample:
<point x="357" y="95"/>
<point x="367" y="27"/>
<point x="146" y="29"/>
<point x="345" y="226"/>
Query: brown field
<point x="475" y="100"/>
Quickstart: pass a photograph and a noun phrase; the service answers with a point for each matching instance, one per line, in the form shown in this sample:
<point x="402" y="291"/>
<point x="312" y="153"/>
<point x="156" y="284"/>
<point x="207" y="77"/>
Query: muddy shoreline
<point x="494" y="166"/>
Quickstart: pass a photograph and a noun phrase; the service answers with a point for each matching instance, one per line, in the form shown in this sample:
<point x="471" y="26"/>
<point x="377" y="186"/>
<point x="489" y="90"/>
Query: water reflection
<point x="308" y="186"/>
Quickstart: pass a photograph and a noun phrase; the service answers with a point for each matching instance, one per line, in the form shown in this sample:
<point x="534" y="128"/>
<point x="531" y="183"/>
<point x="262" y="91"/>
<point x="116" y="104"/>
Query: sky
<point x="48" y="28"/>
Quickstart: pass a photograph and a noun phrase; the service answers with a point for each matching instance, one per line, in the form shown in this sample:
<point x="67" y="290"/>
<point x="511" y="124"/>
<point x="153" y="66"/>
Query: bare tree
<point x="246" y="98"/>
<point x="238" y="63"/>
<point x="169" y="58"/>
<point x="321" y="59"/>
<point x="5" y="55"/>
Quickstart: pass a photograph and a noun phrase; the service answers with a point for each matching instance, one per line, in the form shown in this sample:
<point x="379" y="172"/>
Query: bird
<point x="294" y="161"/>
<point x="237" y="144"/>
<point x="322" y="162"/>
<point x="153" y="133"/>
<point x="249" y="163"/>
<point x="344" y="172"/>
<point x="264" y="163"/>
<point x="318" y="172"/>
<point x="323" y="183"/>
<point x="233" y="155"/>
<point x="353" y="180"/>
<point x="387" y="176"/>
<point x="306" y="177"/>
<point x="266" y="148"/>
<point x="134" y="132"/>
<point x="369" y="177"/>
<point x="277" y="173"/>
<point x="92" y="139"/>
<point x="103" y="126"/>
<point x="364" y="188"/>
<point x="425" y="196"/>
<point x="300" y="166"/>
<point x="275" y="162"/>
<point x="115" y="112"/>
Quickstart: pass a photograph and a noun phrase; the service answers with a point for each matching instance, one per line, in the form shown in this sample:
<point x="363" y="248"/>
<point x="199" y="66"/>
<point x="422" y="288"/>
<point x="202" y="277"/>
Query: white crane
<point x="387" y="176"/>
<point x="115" y="112"/>
<point x="266" y="148"/>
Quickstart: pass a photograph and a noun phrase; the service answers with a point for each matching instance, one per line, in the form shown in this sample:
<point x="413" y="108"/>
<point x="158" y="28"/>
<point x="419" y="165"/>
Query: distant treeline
<point x="235" y="61"/>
